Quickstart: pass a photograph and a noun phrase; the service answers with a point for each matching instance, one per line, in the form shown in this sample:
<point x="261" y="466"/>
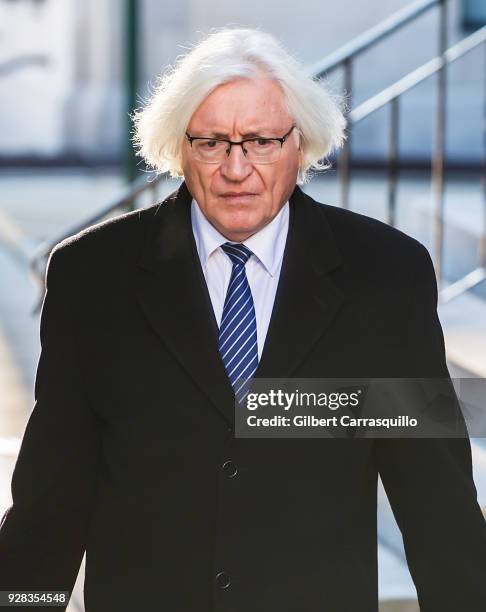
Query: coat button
<point x="230" y="469"/>
<point x="223" y="580"/>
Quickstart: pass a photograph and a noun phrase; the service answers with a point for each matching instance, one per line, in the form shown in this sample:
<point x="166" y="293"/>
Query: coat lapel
<point x="307" y="299"/>
<point x="172" y="292"/>
<point x="173" y="295"/>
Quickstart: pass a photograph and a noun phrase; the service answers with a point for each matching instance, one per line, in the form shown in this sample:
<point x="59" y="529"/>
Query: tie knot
<point x="238" y="253"/>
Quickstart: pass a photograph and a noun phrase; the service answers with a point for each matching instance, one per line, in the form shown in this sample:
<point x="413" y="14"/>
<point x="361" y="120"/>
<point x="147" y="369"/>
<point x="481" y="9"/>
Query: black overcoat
<point x="123" y="453"/>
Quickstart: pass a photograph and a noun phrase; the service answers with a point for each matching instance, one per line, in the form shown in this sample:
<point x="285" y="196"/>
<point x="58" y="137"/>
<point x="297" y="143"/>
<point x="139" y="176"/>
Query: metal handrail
<point x="126" y="203"/>
<point x="417" y="76"/>
<point x="391" y="94"/>
<point x="345" y="56"/>
<point x="377" y="33"/>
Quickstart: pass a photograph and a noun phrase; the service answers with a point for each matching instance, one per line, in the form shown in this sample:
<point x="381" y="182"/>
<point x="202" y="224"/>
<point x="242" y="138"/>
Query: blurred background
<point x="414" y="73"/>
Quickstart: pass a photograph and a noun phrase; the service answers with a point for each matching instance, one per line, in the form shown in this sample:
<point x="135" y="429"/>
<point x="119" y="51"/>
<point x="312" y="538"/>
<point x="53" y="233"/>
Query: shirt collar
<point x="267" y="244"/>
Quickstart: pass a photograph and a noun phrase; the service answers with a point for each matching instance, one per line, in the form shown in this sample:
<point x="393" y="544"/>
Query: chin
<point x="242" y="226"/>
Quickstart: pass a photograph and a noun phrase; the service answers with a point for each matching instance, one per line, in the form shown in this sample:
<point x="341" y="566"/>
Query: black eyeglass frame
<point x="240" y="142"/>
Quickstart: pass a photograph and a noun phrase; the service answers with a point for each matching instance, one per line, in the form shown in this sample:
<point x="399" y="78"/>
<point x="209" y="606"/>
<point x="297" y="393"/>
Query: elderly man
<point x="151" y="322"/>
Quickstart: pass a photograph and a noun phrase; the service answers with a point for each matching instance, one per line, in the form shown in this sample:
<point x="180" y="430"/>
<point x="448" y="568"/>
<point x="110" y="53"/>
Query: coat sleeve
<point x="429" y="481"/>
<point x="43" y="533"/>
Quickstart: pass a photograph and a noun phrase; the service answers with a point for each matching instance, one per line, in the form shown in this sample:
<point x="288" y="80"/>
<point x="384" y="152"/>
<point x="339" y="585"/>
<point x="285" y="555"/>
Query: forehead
<point x="245" y="107"/>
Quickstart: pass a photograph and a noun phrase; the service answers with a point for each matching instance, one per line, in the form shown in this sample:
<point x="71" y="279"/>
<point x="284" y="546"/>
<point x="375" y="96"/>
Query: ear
<point x="298" y="138"/>
<point x="301" y="156"/>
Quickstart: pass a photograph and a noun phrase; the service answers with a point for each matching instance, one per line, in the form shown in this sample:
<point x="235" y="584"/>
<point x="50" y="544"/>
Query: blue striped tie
<point x="237" y="330"/>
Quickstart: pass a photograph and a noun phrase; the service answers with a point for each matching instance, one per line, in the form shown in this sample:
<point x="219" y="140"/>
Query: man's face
<point x="236" y="110"/>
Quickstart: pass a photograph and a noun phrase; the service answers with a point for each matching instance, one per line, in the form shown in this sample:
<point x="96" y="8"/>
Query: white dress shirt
<point x="262" y="268"/>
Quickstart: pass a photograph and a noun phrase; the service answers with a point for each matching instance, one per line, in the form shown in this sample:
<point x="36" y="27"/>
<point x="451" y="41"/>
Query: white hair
<point x="226" y="55"/>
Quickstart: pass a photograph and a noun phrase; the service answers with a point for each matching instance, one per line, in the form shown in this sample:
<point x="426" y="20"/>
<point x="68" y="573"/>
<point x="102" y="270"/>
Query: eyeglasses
<point x="258" y="150"/>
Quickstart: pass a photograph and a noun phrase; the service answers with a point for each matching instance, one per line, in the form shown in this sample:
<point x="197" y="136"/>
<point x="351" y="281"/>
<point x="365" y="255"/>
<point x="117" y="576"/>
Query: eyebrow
<point x="244" y="135"/>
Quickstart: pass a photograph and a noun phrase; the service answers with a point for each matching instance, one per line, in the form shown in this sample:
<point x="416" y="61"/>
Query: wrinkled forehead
<point x="244" y="108"/>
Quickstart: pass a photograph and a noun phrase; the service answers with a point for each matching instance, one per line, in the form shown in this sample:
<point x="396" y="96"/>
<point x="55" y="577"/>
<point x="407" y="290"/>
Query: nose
<point x="236" y="167"/>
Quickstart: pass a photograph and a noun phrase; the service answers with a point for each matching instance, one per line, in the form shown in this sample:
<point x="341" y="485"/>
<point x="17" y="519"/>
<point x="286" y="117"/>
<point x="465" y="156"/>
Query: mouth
<point x="234" y="196"/>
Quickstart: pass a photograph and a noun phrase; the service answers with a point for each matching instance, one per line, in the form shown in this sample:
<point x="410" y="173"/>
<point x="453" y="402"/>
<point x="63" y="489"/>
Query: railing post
<point x="393" y="161"/>
<point x="131" y="82"/>
<point x="439" y="149"/>
<point x="345" y="156"/>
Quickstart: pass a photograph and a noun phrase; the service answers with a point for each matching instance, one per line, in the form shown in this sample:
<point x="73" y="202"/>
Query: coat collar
<point x="173" y="294"/>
